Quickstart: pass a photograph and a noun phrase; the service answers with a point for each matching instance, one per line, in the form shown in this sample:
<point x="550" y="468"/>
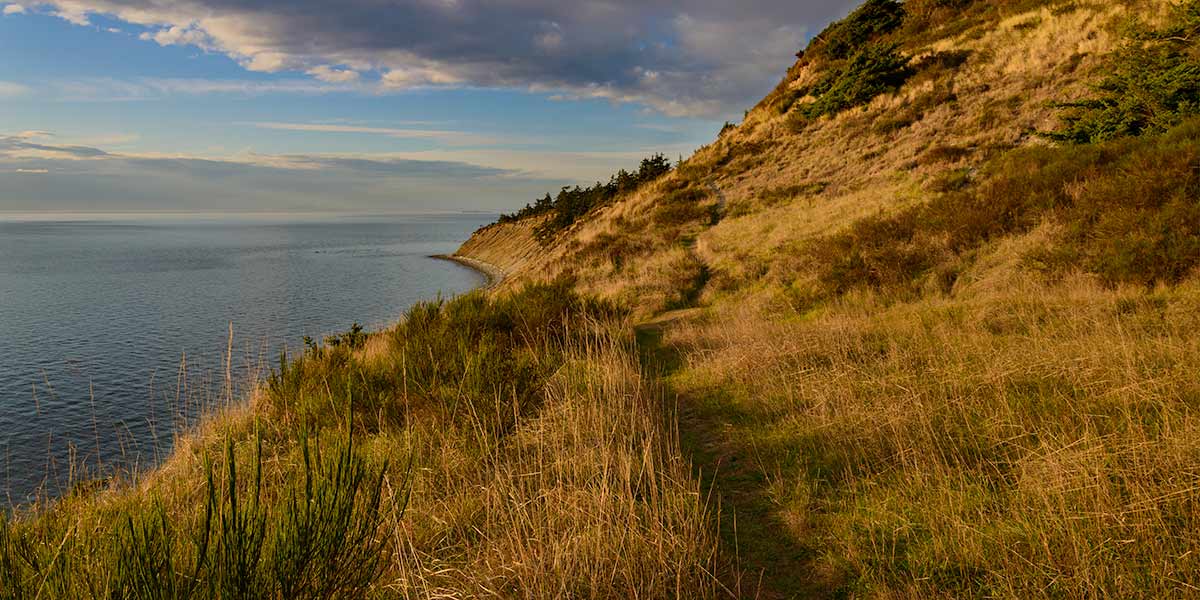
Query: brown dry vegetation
<point x="911" y="349"/>
<point x="508" y="448"/>
<point x="930" y="353"/>
<point x="1019" y="441"/>
<point x="982" y="87"/>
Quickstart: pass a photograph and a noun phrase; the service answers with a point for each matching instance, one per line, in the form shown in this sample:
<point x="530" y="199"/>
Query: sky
<point x="368" y="105"/>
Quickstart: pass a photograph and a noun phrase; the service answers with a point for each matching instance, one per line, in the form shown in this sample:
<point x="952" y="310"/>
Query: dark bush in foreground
<point x="317" y="540"/>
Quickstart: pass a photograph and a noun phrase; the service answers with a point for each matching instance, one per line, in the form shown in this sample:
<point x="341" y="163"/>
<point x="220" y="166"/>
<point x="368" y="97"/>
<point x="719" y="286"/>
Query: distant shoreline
<point x="494" y="274"/>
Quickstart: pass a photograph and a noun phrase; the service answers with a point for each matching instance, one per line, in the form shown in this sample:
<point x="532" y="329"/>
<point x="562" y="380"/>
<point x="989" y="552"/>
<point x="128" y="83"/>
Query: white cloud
<point x="32" y="171"/>
<point x="179" y="36"/>
<point x="269" y="62"/>
<point x="114" y="139"/>
<point x="452" y="137"/>
<point x="679" y="56"/>
<point x="415" y="76"/>
<point x="9" y="89"/>
<point x="149" y="88"/>
<point x="72" y="12"/>
<point x="13" y="9"/>
<point x="332" y="75"/>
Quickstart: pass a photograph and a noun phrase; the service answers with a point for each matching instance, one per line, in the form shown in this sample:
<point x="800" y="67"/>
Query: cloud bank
<point x="686" y="57"/>
<point x="38" y="172"/>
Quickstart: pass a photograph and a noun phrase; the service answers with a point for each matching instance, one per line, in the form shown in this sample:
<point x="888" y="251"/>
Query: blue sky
<point x="361" y="105"/>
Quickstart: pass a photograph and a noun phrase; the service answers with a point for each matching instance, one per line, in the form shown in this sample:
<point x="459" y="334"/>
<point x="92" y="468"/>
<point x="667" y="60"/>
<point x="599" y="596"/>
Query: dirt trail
<point x="771" y="560"/>
<point x="722" y="202"/>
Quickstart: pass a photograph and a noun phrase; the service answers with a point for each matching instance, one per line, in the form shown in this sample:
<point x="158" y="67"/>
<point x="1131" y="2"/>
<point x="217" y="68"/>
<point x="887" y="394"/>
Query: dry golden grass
<point x="1031" y="442"/>
<point x="1007" y="436"/>
<point x="1004" y="435"/>
<point x="582" y="493"/>
<point x="589" y="499"/>
<point x="879" y="158"/>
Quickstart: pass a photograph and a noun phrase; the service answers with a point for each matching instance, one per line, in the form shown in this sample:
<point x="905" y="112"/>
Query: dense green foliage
<point x="1129" y="210"/>
<point x="1152" y="83"/>
<point x="872" y="70"/>
<point x="573" y="202"/>
<point x="858" y="64"/>
<point x="844" y="38"/>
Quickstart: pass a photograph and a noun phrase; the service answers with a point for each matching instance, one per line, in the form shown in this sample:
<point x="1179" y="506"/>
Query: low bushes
<point x="1130" y="212"/>
<point x="443" y="354"/>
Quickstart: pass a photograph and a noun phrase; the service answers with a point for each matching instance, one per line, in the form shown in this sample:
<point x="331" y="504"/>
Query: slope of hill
<point x="922" y="325"/>
<point x="981" y="82"/>
<point x="928" y="309"/>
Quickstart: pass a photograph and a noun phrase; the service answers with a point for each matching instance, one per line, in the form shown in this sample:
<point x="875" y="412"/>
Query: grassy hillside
<point x="922" y="325"/>
<point x="484" y="447"/>
<point x="929" y="309"/>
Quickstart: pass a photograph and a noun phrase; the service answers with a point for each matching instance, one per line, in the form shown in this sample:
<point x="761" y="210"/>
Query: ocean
<point x="115" y="332"/>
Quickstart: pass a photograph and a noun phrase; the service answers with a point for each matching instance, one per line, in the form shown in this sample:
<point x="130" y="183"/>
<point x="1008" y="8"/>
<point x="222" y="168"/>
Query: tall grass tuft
<point x="320" y="542"/>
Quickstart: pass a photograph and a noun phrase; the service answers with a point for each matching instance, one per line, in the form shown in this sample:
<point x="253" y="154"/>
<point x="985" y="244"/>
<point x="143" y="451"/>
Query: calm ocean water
<point x="97" y="317"/>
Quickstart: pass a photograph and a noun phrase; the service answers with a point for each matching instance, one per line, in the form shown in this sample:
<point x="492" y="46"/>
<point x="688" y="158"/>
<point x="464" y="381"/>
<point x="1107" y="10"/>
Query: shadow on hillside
<point x="767" y="557"/>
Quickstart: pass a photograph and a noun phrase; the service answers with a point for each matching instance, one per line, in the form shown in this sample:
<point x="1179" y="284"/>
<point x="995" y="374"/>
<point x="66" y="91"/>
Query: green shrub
<point x="1152" y="84"/>
<point x="354" y="338"/>
<point x="459" y="356"/>
<point x="872" y="70"/>
<point x="318" y="540"/>
<point x="867" y="23"/>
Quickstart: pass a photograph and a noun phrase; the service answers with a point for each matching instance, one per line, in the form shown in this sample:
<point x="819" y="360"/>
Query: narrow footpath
<point x="768" y="561"/>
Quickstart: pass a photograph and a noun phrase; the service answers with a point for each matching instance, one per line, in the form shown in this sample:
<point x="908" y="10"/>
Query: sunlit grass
<point x="483" y="447"/>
